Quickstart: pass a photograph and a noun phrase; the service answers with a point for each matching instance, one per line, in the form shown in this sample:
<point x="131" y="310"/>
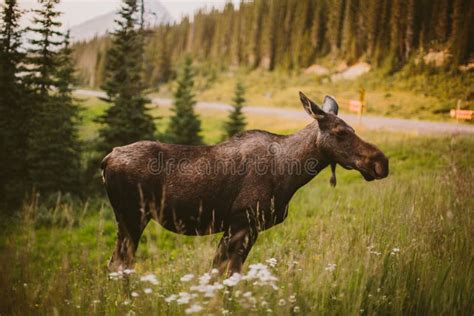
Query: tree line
<point x="38" y="116"/>
<point x="39" y="143"/>
<point x="293" y="34"/>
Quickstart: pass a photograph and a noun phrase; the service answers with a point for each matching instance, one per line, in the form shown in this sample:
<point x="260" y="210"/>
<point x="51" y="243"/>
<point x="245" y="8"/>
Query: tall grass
<point x="404" y="245"/>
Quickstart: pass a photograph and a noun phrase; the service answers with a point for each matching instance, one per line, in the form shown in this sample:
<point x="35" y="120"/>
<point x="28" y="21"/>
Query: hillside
<point x="155" y="15"/>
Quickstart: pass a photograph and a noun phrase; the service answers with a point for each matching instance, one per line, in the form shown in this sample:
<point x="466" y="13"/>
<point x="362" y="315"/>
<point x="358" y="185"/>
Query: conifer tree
<point x="13" y="110"/>
<point x="163" y="67"/>
<point x="236" y="122"/>
<point x="185" y="126"/>
<point x="43" y="52"/>
<point x="127" y="120"/>
<point x="396" y="34"/>
<point x="409" y="34"/>
<point x="53" y="146"/>
<point x="68" y="118"/>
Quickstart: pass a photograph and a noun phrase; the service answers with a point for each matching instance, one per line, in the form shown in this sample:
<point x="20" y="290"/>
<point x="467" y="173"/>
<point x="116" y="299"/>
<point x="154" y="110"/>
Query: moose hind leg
<point x="234" y="248"/>
<point x="130" y="229"/>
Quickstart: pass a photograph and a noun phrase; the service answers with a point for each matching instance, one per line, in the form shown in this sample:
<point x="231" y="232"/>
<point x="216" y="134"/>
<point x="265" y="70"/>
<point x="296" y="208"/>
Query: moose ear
<point x="330" y="105"/>
<point x="312" y="108"/>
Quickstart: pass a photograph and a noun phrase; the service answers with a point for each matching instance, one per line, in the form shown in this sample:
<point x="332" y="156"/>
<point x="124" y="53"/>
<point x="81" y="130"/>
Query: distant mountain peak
<point x="155" y="14"/>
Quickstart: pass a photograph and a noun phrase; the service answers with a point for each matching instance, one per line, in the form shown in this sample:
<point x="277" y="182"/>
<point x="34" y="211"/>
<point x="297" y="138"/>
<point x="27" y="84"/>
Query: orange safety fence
<point x="461" y="114"/>
<point x="352" y="105"/>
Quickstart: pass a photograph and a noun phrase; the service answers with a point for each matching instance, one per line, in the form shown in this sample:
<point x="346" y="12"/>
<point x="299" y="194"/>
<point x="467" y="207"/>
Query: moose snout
<point x="381" y="167"/>
<point x="374" y="166"/>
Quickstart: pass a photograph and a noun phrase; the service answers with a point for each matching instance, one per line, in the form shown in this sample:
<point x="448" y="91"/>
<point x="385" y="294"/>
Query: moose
<point x="240" y="187"/>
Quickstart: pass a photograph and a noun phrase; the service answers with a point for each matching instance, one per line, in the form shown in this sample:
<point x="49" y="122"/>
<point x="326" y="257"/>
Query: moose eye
<point x="341" y="133"/>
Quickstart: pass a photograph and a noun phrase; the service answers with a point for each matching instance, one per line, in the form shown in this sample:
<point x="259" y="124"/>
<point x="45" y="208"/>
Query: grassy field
<point x="407" y="96"/>
<point x="404" y="245"/>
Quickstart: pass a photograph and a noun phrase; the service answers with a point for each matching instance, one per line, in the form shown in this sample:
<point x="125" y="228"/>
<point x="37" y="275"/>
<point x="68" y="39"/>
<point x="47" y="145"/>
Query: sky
<point x="78" y="11"/>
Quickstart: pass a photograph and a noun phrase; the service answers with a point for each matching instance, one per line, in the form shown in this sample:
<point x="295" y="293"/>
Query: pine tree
<point x="53" y="146"/>
<point x="373" y="30"/>
<point x="163" y="70"/>
<point x="442" y="16"/>
<point x="410" y="28"/>
<point x="127" y="120"/>
<point x="349" y="29"/>
<point x="185" y="126"/>
<point x="318" y="27"/>
<point x="396" y="34"/>
<point x="13" y="109"/>
<point x="43" y="55"/>
<point x="335" y="22"/>
<point x="236" y="122"/>
<point x="68" y="116"/>
<point x="462" y="35"/>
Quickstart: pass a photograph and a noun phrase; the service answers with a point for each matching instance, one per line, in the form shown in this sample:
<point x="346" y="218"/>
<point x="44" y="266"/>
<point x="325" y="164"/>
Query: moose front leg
<point x="234" y="248"/>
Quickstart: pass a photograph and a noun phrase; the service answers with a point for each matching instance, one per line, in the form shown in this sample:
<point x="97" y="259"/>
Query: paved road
<point x="368" y="121"/>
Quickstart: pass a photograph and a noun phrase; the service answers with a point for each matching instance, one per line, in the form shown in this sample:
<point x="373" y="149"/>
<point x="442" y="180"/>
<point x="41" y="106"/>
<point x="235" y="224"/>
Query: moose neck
<point x="304" y="147"/>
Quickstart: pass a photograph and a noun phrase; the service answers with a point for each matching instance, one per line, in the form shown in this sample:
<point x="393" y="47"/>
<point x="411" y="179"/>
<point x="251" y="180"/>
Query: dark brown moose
<point x="239" y="187"/>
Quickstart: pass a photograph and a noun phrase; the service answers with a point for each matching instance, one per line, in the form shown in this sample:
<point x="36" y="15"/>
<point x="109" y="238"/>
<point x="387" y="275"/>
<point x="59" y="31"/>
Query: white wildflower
<point x="135" y="294"/>
<point x="272" y="262"/>
<point x="260" y="273"/>
<point x="208" y="290"/>
<point x="187" y="277"/>
<point x="184" y="298"/>
<point x="330" y="267"/>
<point x="292" y="299"/>
<point x="150" y="278"/>
<point x="214" y="271"/>
<point x="126" y="302"/>
<point x="282" y="302"/>
<point x="296" y="309"/>
<point x="147" y="291"/>
<point x="129" y="271"/>
<point x="195" y="308"/>
<point x="247" y="294"/>
<point x="115" y="275"/>
<point x="171" y="298"/>
<point x="233" y="280"/>
<point x="395" y="251"/>
<point x="204" y="279"/>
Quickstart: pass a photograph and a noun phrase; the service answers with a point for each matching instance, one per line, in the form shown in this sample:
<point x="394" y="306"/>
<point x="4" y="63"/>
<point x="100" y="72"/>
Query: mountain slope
<point x="155" y="14"/>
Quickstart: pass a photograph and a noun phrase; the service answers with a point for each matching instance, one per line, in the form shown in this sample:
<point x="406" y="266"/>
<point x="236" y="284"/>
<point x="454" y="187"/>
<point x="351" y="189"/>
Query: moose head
<point x="339" y="142"/>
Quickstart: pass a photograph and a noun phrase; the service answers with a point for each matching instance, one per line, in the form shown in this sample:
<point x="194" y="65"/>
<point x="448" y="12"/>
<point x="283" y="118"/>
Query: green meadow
<point x="403" y="245"/>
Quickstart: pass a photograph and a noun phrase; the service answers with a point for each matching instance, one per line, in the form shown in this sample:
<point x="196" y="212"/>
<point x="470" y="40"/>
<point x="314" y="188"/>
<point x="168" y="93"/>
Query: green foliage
<point x="236" y="122"/>
<point x="184" y="126"/>
<point x="13" y="109"/>
<point x="53" y="147"/>
<point x="127" y="121"/>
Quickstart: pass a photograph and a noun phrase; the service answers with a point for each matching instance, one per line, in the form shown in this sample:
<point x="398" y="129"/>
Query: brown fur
<point x="201" y="190"/>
